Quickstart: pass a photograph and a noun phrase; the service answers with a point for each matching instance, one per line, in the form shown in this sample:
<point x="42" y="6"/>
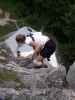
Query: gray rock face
<point x="8" y="93"/>
<point x="52" y="94"/>
<point x="21" y="80"/>
<point x="5" y="53"/>
<point x="58" y="94"/>
<point x="55" y="78"/>
<point x="71" y="76"/>
<point x="8" y="84"/>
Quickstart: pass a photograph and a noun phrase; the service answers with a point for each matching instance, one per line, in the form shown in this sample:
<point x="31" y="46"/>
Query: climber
<point x="42" y="45"/>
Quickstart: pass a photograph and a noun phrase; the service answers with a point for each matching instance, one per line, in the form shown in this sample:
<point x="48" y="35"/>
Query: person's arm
<point x="37" y="47"/>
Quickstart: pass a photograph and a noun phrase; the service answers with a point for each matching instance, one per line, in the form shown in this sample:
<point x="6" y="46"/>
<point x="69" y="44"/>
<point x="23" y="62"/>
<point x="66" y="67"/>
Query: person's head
<point x="20" y="39"/>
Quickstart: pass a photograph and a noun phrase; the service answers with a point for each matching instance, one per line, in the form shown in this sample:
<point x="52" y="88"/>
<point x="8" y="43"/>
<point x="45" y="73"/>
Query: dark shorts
<point x="48" y="49"/>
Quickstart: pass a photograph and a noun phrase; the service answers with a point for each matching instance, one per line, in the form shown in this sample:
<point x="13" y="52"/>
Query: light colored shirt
<point x="40" y="39"/>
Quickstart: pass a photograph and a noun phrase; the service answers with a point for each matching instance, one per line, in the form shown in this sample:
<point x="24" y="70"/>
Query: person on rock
<point x="42" y="45"/>
<point x="20" y="39"/>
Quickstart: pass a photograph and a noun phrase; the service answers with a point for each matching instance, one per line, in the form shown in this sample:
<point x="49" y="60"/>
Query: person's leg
<point x="18" y="53"/>
<point x="38" y="61"/>
<point x="40" y="58"/>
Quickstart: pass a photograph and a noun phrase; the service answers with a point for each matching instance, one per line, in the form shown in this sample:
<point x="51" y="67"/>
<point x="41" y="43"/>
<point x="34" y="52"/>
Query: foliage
<point x="6" y="75"/>
<point x="4" y="30"/>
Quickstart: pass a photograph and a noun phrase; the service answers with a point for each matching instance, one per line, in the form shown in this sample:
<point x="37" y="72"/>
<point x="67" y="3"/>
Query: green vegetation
<point x="6" y="29"/>
<point x="8" y="75"/>
<point x="11" y="76"/>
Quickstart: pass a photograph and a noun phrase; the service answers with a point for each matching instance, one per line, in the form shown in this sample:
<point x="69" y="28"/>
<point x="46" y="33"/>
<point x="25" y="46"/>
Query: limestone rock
<point x="56" y="77"/>
<point x="56" y="94"/>
<point x="44" y="83"/>
<point x="71" y="76"/>
<point x="6" y="93"/>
